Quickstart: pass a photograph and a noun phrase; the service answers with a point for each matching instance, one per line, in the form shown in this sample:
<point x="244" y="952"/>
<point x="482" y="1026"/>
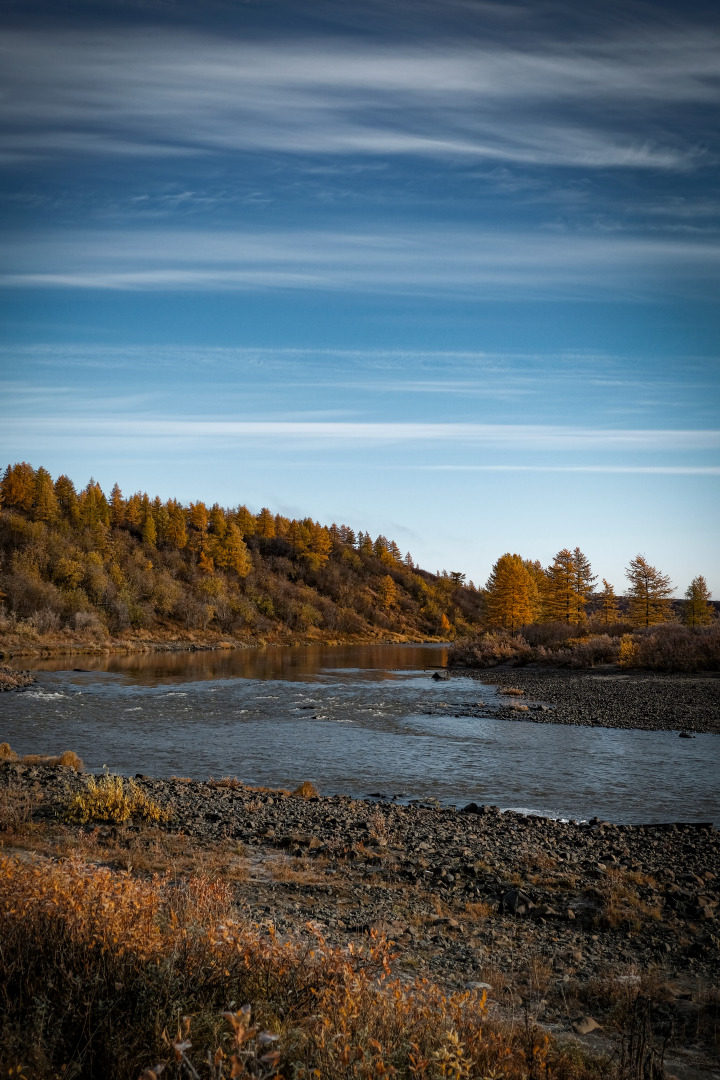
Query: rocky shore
<point x="608" y="697"/>
<point x="564" y="921"/>
<point x="12" y="679"/>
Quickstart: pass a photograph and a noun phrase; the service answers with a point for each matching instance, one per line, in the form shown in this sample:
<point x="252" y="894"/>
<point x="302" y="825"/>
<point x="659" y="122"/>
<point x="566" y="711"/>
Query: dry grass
<point x="96" y="965"/>
<point x="621" y="904"/>
<point x="306" y="790"/>
<point x="113" y="799"/>
<point x="512" y="691"/>
<point x="300" y="871"/>
<point x="16" y="809"/>
<point x="69" y="759"/>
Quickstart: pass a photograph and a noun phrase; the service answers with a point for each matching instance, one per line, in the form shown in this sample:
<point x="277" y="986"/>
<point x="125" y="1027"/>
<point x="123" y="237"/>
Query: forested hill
<point x="89" y="564"/>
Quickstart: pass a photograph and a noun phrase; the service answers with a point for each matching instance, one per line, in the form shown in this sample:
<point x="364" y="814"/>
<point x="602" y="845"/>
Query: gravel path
<point x="651" y="701"/>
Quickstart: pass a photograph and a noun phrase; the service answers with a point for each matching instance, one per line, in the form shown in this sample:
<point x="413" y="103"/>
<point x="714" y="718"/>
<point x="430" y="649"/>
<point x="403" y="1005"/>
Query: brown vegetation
<point x="666" y="647"/>
<point x="97" y="966"/>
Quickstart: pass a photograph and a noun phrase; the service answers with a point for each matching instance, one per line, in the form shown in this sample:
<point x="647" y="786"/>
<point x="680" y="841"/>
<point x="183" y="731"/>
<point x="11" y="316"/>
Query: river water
<point x="359" y="720"/>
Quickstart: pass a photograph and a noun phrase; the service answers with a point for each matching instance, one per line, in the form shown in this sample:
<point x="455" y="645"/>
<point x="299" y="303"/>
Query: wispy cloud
<point x="164" y="92"/>
<point x="502" y="436"/>
<point x="405" y="260"/>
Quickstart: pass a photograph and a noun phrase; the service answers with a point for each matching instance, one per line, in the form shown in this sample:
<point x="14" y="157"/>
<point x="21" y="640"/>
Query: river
<point x="359" y="720"/>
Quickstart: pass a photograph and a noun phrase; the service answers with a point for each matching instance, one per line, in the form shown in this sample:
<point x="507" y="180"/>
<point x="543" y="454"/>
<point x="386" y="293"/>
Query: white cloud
<point x="177" y="93"/>
<point x="430" y="260"/>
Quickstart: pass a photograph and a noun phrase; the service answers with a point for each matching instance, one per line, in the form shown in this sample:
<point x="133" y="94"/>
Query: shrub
<point x="113" y="799"/>
<point x="306" y="790"/>
<point x="95" y="965"/>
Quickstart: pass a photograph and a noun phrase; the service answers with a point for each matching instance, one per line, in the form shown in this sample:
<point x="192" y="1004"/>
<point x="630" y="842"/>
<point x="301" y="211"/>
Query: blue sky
<point x="445" y="271"/>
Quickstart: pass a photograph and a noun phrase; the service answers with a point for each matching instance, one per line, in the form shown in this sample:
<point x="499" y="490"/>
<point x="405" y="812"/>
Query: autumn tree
<point x="67" y="498"/>
<point x="231" y="552"/>
<point x="697" y="609"/>
<point x="567" y="587"/>
<point x="608" y="609"/>
<point x="117" y="507"/>
<point x="650" y="593"/>
<point x="17" y="489"/>
<point x="265" y="524"/>
<point x="509" y="594"/>
<point x="45" y="503"/>
<point x="387" y="592"/>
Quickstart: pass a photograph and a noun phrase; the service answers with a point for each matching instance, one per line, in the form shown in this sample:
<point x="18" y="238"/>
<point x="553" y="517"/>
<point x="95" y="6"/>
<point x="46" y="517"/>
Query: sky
<point x="445" y="270"/>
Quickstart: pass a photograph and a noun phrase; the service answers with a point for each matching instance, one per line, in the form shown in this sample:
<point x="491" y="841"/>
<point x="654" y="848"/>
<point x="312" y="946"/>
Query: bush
<point x="95" y="965"/>
<point x="115" y="800"/>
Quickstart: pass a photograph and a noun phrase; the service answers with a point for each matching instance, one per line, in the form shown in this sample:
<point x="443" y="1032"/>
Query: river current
<point x="363" y="721"/>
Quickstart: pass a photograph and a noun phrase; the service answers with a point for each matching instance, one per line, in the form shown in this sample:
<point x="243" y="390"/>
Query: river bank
<point x="610" y="697"/>
<point x="27" y="642"/>
<point x="561" y="920"/>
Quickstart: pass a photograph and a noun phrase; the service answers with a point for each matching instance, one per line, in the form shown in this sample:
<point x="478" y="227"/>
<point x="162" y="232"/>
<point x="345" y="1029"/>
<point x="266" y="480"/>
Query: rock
<point x="516" y="902"/>
<point x="478" y="986"/>
<point x="686" y="735"/>
<point x="585" y="1025"/>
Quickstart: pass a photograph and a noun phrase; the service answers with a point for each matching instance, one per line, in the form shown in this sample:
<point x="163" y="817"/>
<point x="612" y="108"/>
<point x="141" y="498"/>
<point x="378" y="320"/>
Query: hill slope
<point x="82" y="565"/>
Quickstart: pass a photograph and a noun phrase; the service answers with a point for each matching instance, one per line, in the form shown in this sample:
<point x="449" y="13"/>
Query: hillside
<point x="83" y="567"/>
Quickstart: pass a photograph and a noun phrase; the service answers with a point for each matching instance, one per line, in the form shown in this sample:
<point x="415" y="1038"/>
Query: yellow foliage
<point x="113" y="799"/>
<point x="628" y="651"/>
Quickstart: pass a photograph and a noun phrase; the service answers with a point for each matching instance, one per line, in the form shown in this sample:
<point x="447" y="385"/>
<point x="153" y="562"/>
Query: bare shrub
<point x="492" y="649"/>
<point x="89" y="621"/>
<point x="6" y="754"/>
<point x="45" y="621"/>
<point x="16" y="806"/>
<point x="587" y="652"/>
<point x="672" y="647"/>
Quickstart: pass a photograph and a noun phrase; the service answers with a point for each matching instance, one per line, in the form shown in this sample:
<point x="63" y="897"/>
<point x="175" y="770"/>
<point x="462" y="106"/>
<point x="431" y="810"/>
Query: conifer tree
<point x="584" y="583"/>
<point x="117" y="507"/>
<point x="608" y="609"/>
<point x="697" y="609"/>
<point x="387" y="591"/>
<point x="149" y="529"/>
<point x="509" y="594"/>
<point x="559" y="597"/>
<point x="265" y="524"/>
<point x="231" y="552"/>
<point x="45" y="503"/>
<point x="67" y="498"/>
<point x="650" y="593"/>
<point x="18" y="487"/>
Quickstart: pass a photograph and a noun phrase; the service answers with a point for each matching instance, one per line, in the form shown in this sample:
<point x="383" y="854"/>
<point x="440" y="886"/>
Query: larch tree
<point x="509" y="594"/>
<point x="584" y="583"/>
<point x="45" y="503"/>
<point x="650" y="593"/>
<point x="559" y="602"/>
<point x="17" y="489"/>
<point x="117" y="507"/>
<point x="67" y="498"/>
<point x="608" y="609"/>
<point x="231" y="552"/>
<point x="265" y="524"/>
<point x="697" y="609"/>
<point x="387" y="592"/>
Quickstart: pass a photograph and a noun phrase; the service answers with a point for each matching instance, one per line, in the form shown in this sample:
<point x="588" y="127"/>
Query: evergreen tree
<point x="584" y="583"/>
<point x="67" y="498"/>
<point x="650" y="593"/>
<point x="697" y="609"/>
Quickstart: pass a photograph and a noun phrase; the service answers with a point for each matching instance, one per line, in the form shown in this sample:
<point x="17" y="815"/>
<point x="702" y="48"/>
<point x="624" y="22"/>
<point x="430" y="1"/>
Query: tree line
<point x="520" y="592"/>
<point x="83" y="559"/>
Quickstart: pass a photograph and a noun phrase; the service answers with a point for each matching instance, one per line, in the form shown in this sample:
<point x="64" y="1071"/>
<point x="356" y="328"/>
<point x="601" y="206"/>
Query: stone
<point x="585" y="1025"/>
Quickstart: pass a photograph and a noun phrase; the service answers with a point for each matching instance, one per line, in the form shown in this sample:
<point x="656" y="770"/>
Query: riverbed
<point x="363" y="721"/>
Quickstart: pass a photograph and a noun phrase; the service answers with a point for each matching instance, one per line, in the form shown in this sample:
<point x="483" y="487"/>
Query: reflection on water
<point x="270" y="662"/>
<point x="357" y="720"/>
